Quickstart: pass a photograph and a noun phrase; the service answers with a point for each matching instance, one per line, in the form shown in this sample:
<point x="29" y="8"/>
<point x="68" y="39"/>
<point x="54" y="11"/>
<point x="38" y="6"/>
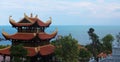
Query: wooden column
<point x="11" y="57"/>
<point x="43" y="29"/>
<point x="4" y="57"/>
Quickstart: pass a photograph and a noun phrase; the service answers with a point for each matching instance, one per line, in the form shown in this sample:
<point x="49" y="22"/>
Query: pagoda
<point x="31" y="33"/>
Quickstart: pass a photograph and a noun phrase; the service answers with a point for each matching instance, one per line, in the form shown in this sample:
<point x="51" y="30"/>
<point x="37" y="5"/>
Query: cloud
<point x="100" y="1"/>
<point x="81" y="8"/>
<point x="61" y="6"/>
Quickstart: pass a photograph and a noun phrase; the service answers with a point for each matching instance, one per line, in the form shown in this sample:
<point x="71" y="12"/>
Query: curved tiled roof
<point x="32" y="21"/>
<point x="44" y="36"/>
<point x="20" y="24"/>
<point x="46" y="50"/>
<point x="5" y="51"/>
<point x="29" y="36"/>
<point x="32" y="51"/>
<point x="19" y="36"/>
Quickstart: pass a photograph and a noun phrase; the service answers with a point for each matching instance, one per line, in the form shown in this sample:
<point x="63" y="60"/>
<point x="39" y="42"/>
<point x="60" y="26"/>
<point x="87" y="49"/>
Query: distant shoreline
<point x="79" y="32"/>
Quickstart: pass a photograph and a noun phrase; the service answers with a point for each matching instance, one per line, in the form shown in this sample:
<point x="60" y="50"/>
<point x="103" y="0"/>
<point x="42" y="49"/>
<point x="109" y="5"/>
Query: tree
<point x="96" y="45"/>
<point x="66" y="49"/>
<point x="3" y="46"/>
<point x="84" y="55"/>
<point x="18" y="52"/>
<point x="107" y="43"/>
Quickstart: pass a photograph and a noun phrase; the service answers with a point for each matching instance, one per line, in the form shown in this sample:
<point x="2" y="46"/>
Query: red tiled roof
<point x="44" y="36"/>
<point x="46" y="50"/>
<point x="19" y="36"/>
<point x="5" y="51"/>
<point x="29" y="36"/>
<point x="20" y="24"/>
<point x="32" y="51"/>
<point x="32" y="22"/>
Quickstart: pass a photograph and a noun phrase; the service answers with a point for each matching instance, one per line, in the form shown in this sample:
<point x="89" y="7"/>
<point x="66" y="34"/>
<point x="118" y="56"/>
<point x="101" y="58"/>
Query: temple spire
<point x="36" y="16"/>
<point x="31" y="15"/>
<point x="25" y="15"/>
<point x="10" y="17"/>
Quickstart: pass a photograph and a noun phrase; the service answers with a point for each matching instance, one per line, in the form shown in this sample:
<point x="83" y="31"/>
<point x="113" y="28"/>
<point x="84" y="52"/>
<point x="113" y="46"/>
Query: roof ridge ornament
<point x="25" y="15"/>
<point x="10" y="17"/>
<point x="31" y="15"/>
<point x="34" y="34"/>
<point x="36" y="16"/>
<point x="49" y="21"/>
<point x="36" y="50"/>
<point x="55" y="32"/>
<point x="11" y="20"/>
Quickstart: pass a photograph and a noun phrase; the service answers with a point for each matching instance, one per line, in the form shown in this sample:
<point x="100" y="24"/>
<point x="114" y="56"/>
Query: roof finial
<point x="36" y="16"/>
<point x="10" y="17"/>
<point x="31" y="15"/>
<point x="25" y="15"/>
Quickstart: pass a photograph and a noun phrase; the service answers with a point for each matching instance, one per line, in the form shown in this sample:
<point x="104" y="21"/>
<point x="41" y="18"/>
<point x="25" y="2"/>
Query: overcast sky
<point x="63" y="12"/>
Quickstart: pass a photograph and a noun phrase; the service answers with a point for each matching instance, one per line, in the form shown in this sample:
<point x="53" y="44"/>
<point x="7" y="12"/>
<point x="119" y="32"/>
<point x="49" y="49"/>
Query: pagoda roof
<point x="46" y="50"/>
<point x="32" y="51"/>
<point x="29" y="36"/>
<point x="5" y="51"/>
<point x="29" y="21"/>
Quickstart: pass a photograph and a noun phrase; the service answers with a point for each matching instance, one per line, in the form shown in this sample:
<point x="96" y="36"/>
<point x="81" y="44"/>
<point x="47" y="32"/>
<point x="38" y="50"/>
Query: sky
<point x="63" y="12"/>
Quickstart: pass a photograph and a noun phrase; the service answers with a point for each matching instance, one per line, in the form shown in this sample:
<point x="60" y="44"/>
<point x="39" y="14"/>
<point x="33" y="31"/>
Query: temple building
<point x="31" y="33"/>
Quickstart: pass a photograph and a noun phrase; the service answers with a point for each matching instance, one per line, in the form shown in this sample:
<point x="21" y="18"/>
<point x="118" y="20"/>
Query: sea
<point x="79" y="32"/>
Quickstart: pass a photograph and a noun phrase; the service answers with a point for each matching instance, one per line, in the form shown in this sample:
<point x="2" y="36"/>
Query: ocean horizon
<point x="79" y="32"/>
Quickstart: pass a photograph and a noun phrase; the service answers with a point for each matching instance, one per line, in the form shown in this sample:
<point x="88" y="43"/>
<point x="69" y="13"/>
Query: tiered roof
<point x="30" y="21"/>
<point x="29" y="36"/>
<point x="32" y="51"/>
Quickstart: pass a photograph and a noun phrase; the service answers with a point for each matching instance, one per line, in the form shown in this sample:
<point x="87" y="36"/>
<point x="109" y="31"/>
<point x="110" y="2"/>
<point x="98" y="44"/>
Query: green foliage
<point x="107" y="43"/>
<point x="96" y="47"/>
<point x="108" y="38"/>
<point x="96" y="44"/>
<point x="18" y="52"/>
<point x="66" y="49"/>
<point x="3" y="46"/>
<point x="89" y="48"/>
<point x="83" y="53"/>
